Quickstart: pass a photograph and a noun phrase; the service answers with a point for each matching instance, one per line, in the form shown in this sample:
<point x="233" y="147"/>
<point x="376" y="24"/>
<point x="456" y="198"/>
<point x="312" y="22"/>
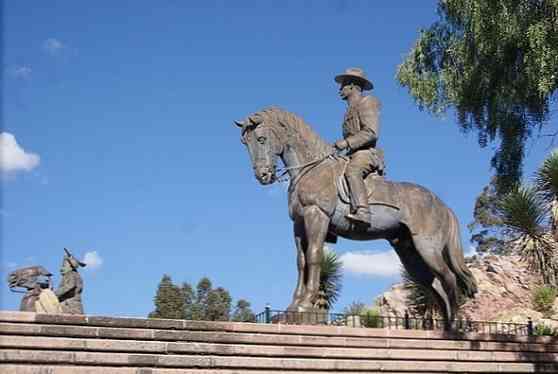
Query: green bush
<point x="371" y="318"/>
<point x="543" y="299"/>
<point x="544" y="330"/>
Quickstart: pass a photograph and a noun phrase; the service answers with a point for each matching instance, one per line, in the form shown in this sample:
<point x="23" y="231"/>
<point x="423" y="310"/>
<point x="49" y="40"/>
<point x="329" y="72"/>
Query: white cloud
<point x="13" y="158"/>
<point x="53" y="46"/>
<point x="21" y="72"/>
<point x="383" y="264"/>
<point x="93" y="260"/>
<point x="471" y="251"/>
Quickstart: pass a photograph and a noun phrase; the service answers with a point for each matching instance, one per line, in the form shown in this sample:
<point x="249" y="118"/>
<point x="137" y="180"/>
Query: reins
<point x="285" y="170"/>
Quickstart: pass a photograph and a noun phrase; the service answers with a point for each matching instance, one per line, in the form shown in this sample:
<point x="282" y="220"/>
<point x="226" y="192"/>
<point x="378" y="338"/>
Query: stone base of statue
<point x="35" y="343"/>
<point x="308" y="317"/>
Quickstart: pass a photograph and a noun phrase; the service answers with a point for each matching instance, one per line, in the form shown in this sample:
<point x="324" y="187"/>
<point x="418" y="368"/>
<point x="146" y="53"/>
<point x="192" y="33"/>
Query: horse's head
<point x="263" y="145"/>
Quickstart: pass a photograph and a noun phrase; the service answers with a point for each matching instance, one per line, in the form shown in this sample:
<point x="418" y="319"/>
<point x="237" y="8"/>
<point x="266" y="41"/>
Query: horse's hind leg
<point x="419" y="271"/>
<point x="445" y="283"/>
<point x="301" y="246"/>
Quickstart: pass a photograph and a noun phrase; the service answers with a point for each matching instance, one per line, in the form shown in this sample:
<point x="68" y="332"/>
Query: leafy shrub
<point x="544" y="330"/>
<point x="370" y="317"/>
<point x="543" y="299"/>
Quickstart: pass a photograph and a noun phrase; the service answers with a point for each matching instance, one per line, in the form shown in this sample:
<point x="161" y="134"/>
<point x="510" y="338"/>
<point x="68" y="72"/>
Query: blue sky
<point x="124" y="111"/>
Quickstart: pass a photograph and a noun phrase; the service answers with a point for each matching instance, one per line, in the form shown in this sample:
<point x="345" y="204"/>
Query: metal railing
<point x="405" y="322"/>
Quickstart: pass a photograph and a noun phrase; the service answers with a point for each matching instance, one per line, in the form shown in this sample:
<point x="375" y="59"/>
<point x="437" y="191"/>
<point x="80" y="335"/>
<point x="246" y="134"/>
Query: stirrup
<point x="360" y="219"/>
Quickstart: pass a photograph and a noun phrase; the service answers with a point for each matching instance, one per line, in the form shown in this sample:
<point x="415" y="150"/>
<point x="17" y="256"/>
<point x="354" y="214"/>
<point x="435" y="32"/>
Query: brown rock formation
<point x="505" y="291"/>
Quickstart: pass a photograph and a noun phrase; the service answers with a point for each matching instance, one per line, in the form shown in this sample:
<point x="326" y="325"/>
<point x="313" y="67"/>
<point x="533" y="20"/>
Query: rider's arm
<point x="369" y="117"/>
<point x="68" y="284"/>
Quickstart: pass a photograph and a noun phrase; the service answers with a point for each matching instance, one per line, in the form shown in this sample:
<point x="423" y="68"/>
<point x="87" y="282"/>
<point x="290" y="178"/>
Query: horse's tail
<point x="455" y="259"/>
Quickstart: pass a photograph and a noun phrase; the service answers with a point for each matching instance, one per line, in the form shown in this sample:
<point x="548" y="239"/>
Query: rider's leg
<point x="358" y="169"/>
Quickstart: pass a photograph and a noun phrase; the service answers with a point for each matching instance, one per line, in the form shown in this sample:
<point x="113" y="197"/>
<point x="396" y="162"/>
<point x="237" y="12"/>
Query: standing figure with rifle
<point x="71" y="285"/>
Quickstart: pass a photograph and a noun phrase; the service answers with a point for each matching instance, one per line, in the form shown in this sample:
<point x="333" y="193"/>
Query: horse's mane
<point x="292" y="125"/>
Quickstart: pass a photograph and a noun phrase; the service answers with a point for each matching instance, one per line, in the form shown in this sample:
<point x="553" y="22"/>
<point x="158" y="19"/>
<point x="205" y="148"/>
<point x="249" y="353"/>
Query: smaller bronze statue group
<point x="39" y="294"/>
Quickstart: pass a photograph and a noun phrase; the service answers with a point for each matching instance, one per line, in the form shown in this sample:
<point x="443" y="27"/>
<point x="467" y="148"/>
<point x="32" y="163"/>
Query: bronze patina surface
<point x="71" y="286"/>
<point x="423" y="231"/>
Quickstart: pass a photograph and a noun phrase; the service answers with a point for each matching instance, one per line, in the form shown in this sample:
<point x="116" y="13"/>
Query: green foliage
<point x="529" y="217"/>
<point x="494" y="63"/>
<point x="543" y="299"/>
<point x="546" y="182"/>
<point x="545" y="330"/>
<point x="169" y="300"/>
<point x="218" y="305"/>
<point x="355" y="308"/>
<point x="486" y="229"/>
<point x="522" y="211"/>
<point x="331" y="279"/>
<point x="242" y="312"/>
<point x="182" y="302"/>
<point x="189" y="299"/>
<point x="370" y="317"/>
<point x="420" y="300"/>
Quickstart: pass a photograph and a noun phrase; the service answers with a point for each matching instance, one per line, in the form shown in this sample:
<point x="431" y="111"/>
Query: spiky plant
<point x="331" y="280"/>
<point x="546" y="181"/>
<point x="527" y="213"/>
<point x="420" y="300"/>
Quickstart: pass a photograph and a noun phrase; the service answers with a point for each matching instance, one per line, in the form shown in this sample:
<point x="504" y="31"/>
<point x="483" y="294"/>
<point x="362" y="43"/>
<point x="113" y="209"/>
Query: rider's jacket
<point x="361" y="124"/>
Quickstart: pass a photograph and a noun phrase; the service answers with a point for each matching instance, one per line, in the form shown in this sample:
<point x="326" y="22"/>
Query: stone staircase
<point x="62" y="344"/>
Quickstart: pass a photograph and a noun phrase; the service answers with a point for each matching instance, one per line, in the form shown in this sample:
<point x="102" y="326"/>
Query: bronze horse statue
<point x="423" y="231"/>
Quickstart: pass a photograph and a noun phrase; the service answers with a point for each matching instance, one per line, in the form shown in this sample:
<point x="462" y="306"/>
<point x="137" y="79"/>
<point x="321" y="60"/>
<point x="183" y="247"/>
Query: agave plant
<point x="530" y="215"/>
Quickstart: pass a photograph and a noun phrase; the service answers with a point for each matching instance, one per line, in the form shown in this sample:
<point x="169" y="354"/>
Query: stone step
<point x="51" y="369"/>
<point x="48" y="357"/>
<point x="144" y="334"/>
<point x="259" y="328"/>
<point x="126" y="346"/>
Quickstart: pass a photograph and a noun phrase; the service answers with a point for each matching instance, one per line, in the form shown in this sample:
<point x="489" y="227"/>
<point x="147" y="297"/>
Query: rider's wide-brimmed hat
<point x="356" y="75"/>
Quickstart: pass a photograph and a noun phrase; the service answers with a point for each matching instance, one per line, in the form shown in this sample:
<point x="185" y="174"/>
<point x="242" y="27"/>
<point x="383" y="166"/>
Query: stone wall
<point x="62" y="344"/>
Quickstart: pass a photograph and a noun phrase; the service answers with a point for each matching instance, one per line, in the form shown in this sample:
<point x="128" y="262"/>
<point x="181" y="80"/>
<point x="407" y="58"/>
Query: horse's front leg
<point x="316" y="223"/>
<point x="301" y="246"/>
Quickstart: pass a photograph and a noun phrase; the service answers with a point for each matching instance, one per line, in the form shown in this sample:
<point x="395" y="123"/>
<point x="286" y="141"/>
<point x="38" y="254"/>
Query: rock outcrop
<point x="505" y="293"/>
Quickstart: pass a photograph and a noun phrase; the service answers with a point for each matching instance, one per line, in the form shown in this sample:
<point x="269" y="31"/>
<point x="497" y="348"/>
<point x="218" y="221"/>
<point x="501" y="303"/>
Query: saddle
<point x="380" y="191"/>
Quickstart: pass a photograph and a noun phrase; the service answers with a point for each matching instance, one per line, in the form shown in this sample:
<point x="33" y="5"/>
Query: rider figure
<point x="360" y="133"/>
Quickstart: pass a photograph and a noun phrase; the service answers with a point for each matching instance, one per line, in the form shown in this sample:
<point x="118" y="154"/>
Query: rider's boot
<point x="360" y="212"/>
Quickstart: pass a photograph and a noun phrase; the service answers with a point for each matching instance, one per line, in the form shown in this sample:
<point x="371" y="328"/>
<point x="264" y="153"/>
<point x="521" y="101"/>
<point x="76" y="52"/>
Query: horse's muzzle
<point x="265" y="174"/>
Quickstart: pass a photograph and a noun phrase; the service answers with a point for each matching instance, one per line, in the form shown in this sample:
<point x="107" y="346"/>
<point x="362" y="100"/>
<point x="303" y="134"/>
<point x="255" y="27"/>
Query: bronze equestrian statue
<point x="423" y="231"/>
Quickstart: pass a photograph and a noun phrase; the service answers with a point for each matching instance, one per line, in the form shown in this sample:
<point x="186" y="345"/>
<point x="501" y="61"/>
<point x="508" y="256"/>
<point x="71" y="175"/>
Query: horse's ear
<point x="255" y="119"/>
<point x="239" y="123"/>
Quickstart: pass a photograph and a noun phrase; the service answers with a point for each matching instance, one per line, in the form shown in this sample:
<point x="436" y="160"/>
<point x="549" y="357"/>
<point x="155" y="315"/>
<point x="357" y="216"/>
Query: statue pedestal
<point x="311" y="317"/>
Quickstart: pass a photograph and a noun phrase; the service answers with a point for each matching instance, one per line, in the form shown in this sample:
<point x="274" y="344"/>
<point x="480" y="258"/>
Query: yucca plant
<point x="530" y="217"/>
<point x="546" y="181"/>
<point x="331" y="280"/>
<point x="420" y="300"/>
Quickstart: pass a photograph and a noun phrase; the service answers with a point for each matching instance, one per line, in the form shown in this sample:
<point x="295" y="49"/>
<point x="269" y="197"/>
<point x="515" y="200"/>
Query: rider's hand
<point x="341" y="144"/>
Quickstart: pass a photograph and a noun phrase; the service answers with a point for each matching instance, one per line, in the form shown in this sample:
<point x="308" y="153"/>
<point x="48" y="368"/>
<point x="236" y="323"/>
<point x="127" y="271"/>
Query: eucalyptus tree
<point x="495" y="63"/>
